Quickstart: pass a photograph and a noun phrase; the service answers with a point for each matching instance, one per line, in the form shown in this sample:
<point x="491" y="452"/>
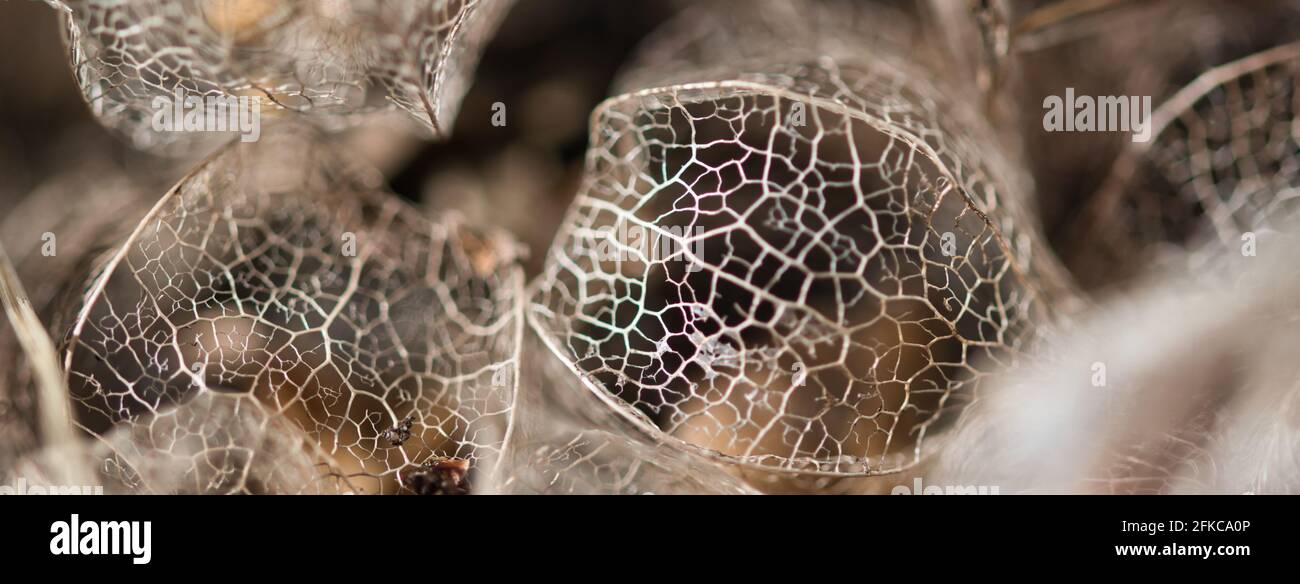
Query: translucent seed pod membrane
<point x="566" y="441"/>
<point x="330" y="59"/>
<point x="799" y="246"/>
<point x="277" y="314"/>
<point x="1220" y="163"/>
<point x="791" y="262"/>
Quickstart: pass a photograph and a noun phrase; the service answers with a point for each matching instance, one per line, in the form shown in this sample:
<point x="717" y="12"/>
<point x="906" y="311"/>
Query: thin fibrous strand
<point x="52" y="393"/>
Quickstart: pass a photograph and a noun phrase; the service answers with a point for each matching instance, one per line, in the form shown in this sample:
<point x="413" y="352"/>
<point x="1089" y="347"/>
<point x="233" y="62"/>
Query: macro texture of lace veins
<point x="840" y="260"/>
<point x="330" y="59"/>
<point x="274" y="298"/>
<point x="792" y="253"/>
<point x="1222" y="164"/>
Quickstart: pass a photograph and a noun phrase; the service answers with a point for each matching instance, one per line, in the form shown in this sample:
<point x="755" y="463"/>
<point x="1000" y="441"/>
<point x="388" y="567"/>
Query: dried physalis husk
<point x="211" y="444"/>
<point x="140" y="63"/>
<point x="52" y="236"/>
<point x="792" y="260"/>
<point x="566" y="441"/>
<point x="1113" y="189"/>
<point x="313" y="314"/>
<point x="1221" y="167"/>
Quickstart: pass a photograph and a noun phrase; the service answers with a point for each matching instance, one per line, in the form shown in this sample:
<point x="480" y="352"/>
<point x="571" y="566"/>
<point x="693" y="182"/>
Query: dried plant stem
<point x="51" y="391"/>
